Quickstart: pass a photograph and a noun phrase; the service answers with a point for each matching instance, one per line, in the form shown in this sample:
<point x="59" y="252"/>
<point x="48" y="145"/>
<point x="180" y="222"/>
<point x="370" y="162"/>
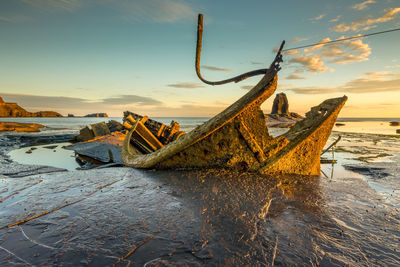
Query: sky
<point x="86" y="56"/>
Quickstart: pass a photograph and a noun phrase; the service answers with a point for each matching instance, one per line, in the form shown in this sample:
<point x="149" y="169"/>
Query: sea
<point x="72" y="125"/>
<point x="348" y="216"/>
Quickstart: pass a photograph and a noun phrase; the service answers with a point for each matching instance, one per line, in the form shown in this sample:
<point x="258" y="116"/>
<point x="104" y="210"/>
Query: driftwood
<point x="238" y="137"/>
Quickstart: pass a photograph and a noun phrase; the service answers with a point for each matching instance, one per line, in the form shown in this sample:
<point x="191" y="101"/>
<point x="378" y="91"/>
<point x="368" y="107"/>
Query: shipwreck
<point x="237" y="138"/>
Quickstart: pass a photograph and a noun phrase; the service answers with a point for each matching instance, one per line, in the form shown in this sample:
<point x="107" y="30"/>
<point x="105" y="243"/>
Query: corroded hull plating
<point x="238" y="138"/>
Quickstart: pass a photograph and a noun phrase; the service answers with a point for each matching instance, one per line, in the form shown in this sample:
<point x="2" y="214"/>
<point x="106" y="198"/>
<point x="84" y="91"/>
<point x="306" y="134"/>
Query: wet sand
<point x="194" y="218"/>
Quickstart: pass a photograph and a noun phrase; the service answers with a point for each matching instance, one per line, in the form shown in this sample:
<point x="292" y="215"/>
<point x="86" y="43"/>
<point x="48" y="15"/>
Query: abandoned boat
<point x="238" y="138"/>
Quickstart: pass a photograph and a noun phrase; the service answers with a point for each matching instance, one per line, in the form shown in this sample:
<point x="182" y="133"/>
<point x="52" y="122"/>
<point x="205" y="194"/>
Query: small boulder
<point x="100" y="129"/>
<point x="398" y="131"/>
<point x="114" y="126"/>
<point x="85" y="134"/>
<point x="395" y="123"/>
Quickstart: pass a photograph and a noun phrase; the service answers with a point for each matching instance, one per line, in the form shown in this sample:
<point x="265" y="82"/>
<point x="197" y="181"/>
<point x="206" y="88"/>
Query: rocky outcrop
<point x="97" y="115"/>
<point x="281" y="105"/>
<point x="14" y="110"/>
<point x="280" y="116"/>
<point x="97" y="130"/>
<point x="20" y="127"/>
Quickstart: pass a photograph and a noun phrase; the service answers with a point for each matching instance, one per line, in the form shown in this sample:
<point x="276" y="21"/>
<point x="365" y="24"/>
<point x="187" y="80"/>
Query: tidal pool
<point x="53" y="155"/>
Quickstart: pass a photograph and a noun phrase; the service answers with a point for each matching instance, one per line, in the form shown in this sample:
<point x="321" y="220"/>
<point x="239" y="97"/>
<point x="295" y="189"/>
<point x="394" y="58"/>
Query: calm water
<point x="73" y="125"/>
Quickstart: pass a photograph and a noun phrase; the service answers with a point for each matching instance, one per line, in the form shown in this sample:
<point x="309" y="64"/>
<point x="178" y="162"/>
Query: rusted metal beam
<point x="275" y="64"/>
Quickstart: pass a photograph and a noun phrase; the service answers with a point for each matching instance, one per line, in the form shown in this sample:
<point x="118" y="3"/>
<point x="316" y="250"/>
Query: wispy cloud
<point x="336" y="19"/>
<point x="393" y="66"/>
<point x="372" y="82"/>
<point x="155" y="10"/>
<point x="71" y="104"/>
<point x="368" y="22"/>
<point x="187" y="85"/>
<point x="131" y="99"/>
<point x="15" y="18"/>
<point x="319" y="17"/>
<point x="55" y="4"/>
<point x="363" y="5"/>
<point x="295" y="76"/>
<point x="297" y="40"/>
<point x="149" y="10"/>
<point x="215" y="68"/>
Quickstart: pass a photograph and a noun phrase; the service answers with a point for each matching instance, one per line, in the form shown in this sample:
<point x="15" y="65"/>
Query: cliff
<point x="14" y="110"/>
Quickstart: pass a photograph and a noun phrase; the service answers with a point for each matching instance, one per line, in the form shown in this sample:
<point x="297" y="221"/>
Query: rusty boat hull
<point x="238" y="138"/>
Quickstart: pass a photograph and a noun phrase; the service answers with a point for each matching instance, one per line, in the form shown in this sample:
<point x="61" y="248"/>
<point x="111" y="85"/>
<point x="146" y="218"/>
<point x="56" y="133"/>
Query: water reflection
<point x="48" y="155"/>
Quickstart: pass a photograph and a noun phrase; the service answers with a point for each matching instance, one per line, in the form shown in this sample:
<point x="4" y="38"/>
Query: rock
<point x="280" y="116"/>
<point x="338" y="124"/>
<point x="70" y="115"/>
<point x="85" y="134"/>
<point x="20" y="127"/>
<point x="100" y="129"/>
<point x="114" y="126"/>
<point x="50" y="147"/>
<point x="395" y="123"/>
<point x="281" y="105"/>
<point x="398" y="131"/>
<point x="14" y="110"/>
<point x="97" y="115"/>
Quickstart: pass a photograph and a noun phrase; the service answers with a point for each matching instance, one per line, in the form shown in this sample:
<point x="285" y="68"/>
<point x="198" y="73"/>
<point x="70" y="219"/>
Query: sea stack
<point x="281" y="105"/>
<point x="280" y="116"/>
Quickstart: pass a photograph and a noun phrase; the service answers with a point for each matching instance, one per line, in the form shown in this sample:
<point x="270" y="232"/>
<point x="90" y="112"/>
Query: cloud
<point x="372" y="82"/>
<point x="337" y="53"/>
<point x="150" y="10"/>
<point x="45" y="102"/>
<point x="66" y="105"/>
<point x="215" y="68"/>
<point x="336" y="19"/>
<point x="363" y="5"/>
<point x="295" y="76"/>
<point x="319" y="17"/>
<point x="312" y="63"/>
<point x="131" y="99"/>
<point x="393" y="66"/>
<point x="69" y="5"/>
<point x="155" y="10"/>
<point x="15" y="18"/>
<point x="319" y="45"/>
<point x="187" y="85"/>
<point x="291" y="52"/>
<point x="297" y="40"/>
<point x="368" y="22"/>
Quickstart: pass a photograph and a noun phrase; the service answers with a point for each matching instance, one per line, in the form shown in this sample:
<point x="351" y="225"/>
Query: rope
<point x="341" y="40"/>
